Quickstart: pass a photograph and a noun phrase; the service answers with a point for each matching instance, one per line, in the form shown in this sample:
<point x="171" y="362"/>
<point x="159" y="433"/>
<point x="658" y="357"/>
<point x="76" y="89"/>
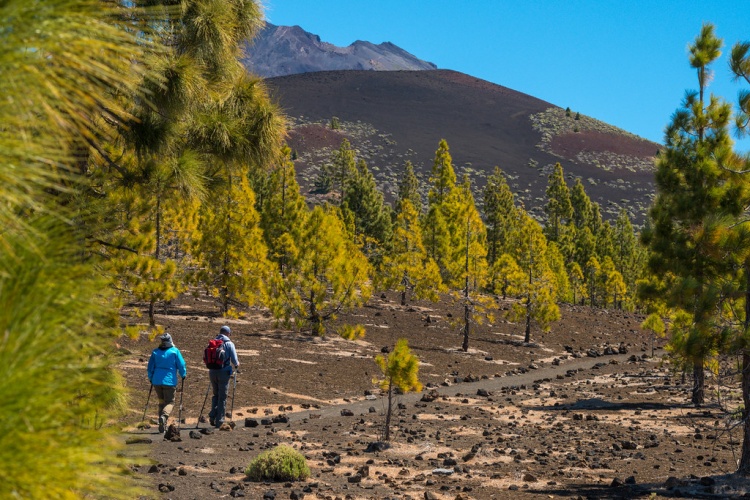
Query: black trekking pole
<point x="204" y="405"/>
<point x="147" y="400"/>
<point x="179" y="414"/>
<point x="231" y="412"/>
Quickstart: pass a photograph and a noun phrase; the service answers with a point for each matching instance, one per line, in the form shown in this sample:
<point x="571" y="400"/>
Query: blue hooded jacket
<point x="164" y="365"/>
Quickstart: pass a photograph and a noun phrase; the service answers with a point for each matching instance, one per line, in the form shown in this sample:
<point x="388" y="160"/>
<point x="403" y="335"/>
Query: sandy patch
<point x="298" y="361"/>
<point x="247" y="352"/>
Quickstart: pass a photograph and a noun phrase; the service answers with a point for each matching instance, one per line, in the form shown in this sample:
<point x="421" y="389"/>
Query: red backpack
<point x="215" y="355"/>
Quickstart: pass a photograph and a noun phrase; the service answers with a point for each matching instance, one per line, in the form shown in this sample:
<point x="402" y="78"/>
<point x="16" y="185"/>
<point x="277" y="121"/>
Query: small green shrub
<point x="282" y="463"/>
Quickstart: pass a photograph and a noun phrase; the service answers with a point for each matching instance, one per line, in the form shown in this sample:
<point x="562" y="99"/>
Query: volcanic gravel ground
<point x="582" y="411"/>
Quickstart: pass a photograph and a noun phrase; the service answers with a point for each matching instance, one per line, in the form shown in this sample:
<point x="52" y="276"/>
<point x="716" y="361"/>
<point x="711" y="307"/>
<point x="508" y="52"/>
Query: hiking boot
<point x="162" y="423"/>
<point x="212" y="422"/>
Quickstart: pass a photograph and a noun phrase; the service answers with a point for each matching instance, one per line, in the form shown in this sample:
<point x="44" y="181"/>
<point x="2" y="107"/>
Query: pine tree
<point x="343" y="168"/>
<point x="283" y="214"/>
<point x="507" y="276"/>
<point x="329" y="274"/>
<point x="467" y="234"/>
<point x="499" y="214"/>
<point x="408" y="189"/>
<point x="372" y="217"/>
<point x="556" y="263"/>
<point x="538" y="288"/>
<point x="692" y="192"/>
<point x="592" y="272"/>
<point x="400" y="371"/>
<point x="558" y="207"/>
<point x="739" y="64"/>
<point x="577" y="283"/>
<point x="585" y="247"/>
<point x="443" y="178"/>
<point x="407" y="267"/>
<point x="63" y="66"/>
<point x="230" y="247"/>
<point x="441" y="209"/>
<point x="581" y="204"/>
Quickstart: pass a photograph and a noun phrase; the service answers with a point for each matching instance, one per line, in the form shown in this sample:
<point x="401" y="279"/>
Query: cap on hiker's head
<point x="166" y="338"/>
<point x="225" y="330"/>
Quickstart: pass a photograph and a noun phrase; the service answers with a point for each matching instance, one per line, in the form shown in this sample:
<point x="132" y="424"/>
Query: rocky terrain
<point x="584" y="411"/>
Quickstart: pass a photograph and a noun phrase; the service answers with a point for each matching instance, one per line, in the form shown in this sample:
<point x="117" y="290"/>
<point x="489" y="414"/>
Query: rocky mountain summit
<point x="289" y="50"/>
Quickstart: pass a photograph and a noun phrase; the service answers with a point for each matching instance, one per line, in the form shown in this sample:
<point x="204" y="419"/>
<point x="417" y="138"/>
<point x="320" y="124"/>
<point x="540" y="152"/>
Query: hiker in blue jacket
<point x="220" y="378"/>
<point x="163" y="365"/>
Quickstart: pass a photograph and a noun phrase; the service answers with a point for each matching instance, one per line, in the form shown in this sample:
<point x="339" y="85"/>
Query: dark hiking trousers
<point x="220" y="385"/>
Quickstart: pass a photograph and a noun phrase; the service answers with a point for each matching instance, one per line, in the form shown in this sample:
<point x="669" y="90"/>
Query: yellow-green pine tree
<point x="229" y="248"/>
<point x="407" y="267"/>
<point x="400" y="371"/>
<point x="538" y="289"/>
<point x="329" y="274"/>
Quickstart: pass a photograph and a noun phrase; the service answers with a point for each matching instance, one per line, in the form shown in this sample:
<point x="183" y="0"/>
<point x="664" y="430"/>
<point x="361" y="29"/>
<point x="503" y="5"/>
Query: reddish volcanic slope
<point x="394" y="116"/>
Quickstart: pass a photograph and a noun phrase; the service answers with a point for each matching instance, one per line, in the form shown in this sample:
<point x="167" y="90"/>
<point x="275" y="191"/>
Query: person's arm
<point x="233" y="356"/>
<point x="150" y="370"/>
<point x="181" y="367"/>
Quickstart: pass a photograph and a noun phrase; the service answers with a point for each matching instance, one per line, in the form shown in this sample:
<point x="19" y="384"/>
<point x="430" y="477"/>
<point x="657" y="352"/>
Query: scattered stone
<point x="172" y="434"/>
<point x="529" y="478"/>
<point x="356" y="478"/>
<point x="225" y="427"/>
<point x="672" y="483"/>
<point x="166" y="488"/>
<point x="616" y="483"/>
<point x="442" y="472"/>
<point x="195" y="435"/>
<point x="483" y="393"/>
<point x="269" y="495"/>
<point x="207" y="431"/>
<point x="251" y="422"/>
<point x="377" y="446"/>
<point x="630" y="480"/>
<point x="138" y="440"/>
<point x="628" y="445"/>
<point x="347" y="413"/>
<point x="296" y="495"/>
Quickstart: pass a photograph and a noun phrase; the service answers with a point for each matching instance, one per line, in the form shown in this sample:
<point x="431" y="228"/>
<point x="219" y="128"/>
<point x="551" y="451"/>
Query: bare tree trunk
<point x="527" y="339"/>
<point x="744" y="466"/>
<point x="699" y="383"/>
<point x="467" y="308"/>
<point x="388" y="413"/>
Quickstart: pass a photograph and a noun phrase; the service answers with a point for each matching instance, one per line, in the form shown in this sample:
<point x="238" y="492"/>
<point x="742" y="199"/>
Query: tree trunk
<point x="467" y="307"/>
<point x="467" y="325"/>
<point x="699" y="382"/>
<point x="744" y="466"/>
<point x="403" y="297"/>
<point x="527" y="339"/>
<point x="151" y="319"/>
<point x="388" y="413"/>
<point x="315" y="319"/>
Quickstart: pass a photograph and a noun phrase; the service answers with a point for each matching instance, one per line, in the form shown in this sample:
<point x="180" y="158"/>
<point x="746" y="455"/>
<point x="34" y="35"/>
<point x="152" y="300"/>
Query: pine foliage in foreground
<point x="62" y="62"/>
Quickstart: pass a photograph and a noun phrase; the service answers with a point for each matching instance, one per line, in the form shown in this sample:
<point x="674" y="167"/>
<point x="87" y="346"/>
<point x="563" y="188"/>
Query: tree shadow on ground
<point x="601" y="404"/>
<point x="599" y="491"/>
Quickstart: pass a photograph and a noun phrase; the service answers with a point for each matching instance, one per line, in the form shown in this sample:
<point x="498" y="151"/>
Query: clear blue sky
<point x="621" y="61"/>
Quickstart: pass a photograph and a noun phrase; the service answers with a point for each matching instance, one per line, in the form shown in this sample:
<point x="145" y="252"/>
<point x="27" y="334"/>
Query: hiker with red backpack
<point x="219" y="357"/>
<point x="163" y="365"/>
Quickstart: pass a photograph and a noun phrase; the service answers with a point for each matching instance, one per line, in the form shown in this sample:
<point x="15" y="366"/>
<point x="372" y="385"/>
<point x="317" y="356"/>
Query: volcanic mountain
<point x="394" y="116"/>
<point x="288" y="50"/>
